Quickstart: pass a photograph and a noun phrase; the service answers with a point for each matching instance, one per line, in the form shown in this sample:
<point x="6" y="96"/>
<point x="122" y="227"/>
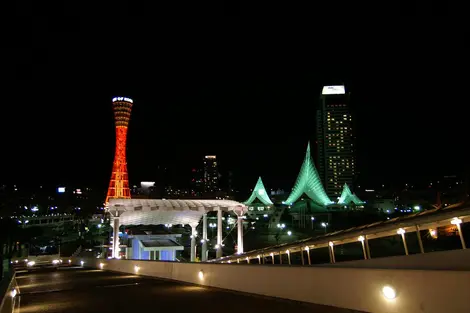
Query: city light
<point x="289" y="233"/>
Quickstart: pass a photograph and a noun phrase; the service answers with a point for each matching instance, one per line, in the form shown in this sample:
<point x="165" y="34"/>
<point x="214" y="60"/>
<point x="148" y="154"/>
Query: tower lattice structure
<point x="119" y="183"/>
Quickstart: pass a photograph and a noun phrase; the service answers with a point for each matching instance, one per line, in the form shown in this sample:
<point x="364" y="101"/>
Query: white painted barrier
<point x="423" y="291"/>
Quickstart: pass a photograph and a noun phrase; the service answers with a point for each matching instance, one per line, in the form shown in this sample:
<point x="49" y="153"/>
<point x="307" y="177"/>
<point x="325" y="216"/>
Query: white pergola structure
<point x="186" y="212"/>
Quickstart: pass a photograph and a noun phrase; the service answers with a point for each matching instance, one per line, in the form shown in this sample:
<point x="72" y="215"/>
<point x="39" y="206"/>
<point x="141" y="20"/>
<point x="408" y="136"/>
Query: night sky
<point x="250" y="100"/>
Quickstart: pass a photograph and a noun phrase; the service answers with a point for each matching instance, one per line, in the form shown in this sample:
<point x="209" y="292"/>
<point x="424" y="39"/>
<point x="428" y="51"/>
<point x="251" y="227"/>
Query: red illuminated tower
<point x="119" y="184"/>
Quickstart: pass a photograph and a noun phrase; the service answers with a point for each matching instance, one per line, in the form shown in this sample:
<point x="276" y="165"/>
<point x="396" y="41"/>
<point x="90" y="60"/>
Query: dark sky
<point x="248" y="96"/>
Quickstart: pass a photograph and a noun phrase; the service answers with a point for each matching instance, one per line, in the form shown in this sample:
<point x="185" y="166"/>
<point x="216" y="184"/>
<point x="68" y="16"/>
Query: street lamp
<point x="324" y="225"/>
<point x="312" y="219"/>
<point x="212" y="226"/>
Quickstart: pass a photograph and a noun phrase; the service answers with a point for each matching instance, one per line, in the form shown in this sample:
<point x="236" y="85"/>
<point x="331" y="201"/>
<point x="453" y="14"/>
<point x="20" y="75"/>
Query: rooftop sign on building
<point x="333" y="90"/>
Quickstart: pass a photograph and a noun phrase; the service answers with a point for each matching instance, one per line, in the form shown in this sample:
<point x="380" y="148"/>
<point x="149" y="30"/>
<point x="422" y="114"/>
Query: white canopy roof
<point x="159" y="211"/>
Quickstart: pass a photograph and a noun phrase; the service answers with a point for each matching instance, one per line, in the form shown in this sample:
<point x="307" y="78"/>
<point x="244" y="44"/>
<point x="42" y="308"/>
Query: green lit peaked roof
<point x="347" y="196"/>
<point x="259" y="193"/>
<point x="309" y="182"/>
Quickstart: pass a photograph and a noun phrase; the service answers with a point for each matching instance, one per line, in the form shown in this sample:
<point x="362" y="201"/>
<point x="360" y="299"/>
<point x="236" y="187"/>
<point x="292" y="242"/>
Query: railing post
<point x="332" y="252"/>
<point x="367" y="247"/>
<point x="288" y="256"/>
<point x="361" y="239"/>
<point x="308" y="255"/>
<point x="457" y="221"/>
<point x="420" y="242"/>
<point x="401" y="232"/>
<point x="219" y="252"/>
<point x="302" y="255"/>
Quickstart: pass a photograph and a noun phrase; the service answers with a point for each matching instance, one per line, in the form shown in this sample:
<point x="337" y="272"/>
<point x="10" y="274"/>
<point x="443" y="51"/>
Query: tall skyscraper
<point x="211" y="175"/>
<point x="119" y="183"/>
<point x="197" y="182"/>
<point x="335" y="141"/>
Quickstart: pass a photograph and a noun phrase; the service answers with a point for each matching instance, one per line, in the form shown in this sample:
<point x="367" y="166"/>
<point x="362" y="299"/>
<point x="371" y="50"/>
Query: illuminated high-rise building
<point x="211" y="175"/>
<point x="119" y="183"/>
<point x="336" y="153"/>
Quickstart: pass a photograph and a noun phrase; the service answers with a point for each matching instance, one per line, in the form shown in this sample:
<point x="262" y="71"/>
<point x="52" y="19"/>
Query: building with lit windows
<point x="211" y="175"/>
<point x="335" y="141"/>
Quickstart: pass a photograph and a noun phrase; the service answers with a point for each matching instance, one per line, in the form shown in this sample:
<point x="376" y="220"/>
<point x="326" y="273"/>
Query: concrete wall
<point x="358" y="289"/>
<point x="441" y="260"/>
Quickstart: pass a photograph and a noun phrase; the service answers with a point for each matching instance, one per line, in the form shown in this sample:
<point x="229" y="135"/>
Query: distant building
<point x="197" y="182"/>
<point x="145" y="191"/>
<point x="336" y="153"/>
<point x="211" y="175"/>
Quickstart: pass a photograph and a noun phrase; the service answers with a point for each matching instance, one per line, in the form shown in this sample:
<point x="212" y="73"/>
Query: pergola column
<point x="116" y="238"/>
<point x="240" y="234"/>
<point x="204" y="238"/>
<point x="219" y="233"/>
<point x="193" y="242"/>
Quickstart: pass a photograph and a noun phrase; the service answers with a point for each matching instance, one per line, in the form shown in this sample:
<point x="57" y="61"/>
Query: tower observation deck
<point x="119" y="183"/>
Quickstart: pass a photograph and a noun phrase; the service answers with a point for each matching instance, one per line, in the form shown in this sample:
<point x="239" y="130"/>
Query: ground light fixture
<point x="201" y="275"/>
<point x="101" y="265"/>
<point x="81" y="263"/>
<point x="136" y="269"/>
<point x="389" y="292"/>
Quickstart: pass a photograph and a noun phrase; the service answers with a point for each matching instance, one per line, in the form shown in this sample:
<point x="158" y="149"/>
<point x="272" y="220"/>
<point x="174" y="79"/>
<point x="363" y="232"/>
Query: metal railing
<point x="9" y="292"/>
<point x="431" y="219"/>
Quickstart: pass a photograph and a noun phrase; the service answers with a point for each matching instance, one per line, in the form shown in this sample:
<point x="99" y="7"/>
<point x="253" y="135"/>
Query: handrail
<point x="374" y="230"/>
<point x="8" y="292"/>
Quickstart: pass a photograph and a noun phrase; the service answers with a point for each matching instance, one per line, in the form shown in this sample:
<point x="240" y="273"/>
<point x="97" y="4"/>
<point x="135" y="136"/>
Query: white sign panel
<point x="333" y="90"/>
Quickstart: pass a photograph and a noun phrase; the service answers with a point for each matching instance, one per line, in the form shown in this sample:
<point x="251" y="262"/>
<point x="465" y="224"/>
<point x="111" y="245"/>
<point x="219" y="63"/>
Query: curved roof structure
<point x="309" y="182"/>
<point x="259" y="193"/>
<point x="160" y="211"/>
<point x="347" y="197"/>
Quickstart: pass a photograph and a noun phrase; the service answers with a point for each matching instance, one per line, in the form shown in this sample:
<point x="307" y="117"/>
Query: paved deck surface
<point x="86" y="290"/>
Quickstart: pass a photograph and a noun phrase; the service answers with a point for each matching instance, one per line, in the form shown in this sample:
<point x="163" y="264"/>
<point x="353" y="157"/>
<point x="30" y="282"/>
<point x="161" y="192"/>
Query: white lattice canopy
<point x="159" y="211"/>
